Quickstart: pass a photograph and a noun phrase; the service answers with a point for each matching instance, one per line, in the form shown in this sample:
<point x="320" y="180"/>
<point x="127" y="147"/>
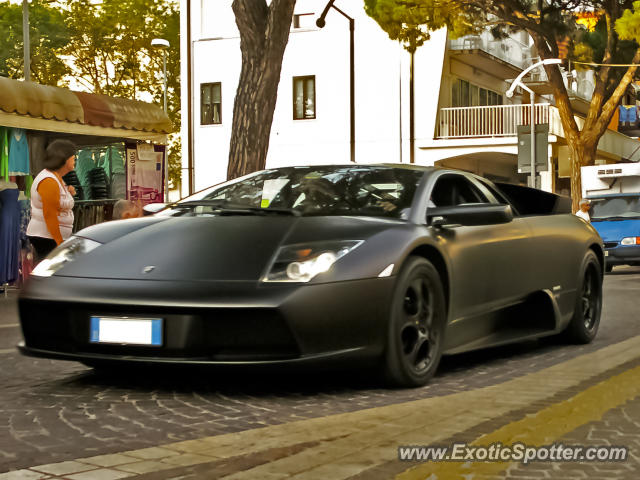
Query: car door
<point x="556" y="257"/>
<point x="489" y="262"/>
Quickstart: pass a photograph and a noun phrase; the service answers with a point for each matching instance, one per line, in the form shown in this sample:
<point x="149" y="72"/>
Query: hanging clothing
<point x="28" y="181"/>
<point x="18" y="152"/>
<point x="4" y="155"/>
<point x="9" y="235"/>
<point x="38" y="225"/>
<point x="37" y="152"/>
<point x="628" y="113"/>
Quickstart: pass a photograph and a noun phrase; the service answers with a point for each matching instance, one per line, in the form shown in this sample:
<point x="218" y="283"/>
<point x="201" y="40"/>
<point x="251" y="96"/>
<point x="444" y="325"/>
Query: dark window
<point x="304" y="97"/>
<point x="465" y="94"/>
<point x="452" y="190"/>
<point x="210" y="103"/>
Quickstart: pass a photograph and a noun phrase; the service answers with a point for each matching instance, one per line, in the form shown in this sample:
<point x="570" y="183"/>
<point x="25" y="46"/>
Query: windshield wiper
<point x="223" y="207"/>
<point x="200" y="203"/>
<point x="614" y="218"/>
<point x="242" y="210"/>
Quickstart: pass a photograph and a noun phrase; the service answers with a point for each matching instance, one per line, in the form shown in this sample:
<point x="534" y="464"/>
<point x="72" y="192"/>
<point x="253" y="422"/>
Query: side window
<point x="496" y="193"/>
<point x="452" y="190"/>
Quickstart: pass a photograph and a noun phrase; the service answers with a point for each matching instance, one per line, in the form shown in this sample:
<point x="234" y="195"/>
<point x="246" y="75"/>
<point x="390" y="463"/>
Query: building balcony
<point x="503" y="57"/>
<point x="579" y="85"/>
<point x="489" y="121"/>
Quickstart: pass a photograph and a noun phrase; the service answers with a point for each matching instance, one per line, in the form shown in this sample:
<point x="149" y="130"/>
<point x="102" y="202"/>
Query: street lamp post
<point x="26" y="41"/>
<point x="518" y="82"/>
<point x="163" y="45"/>
<point x="320" y="22"/>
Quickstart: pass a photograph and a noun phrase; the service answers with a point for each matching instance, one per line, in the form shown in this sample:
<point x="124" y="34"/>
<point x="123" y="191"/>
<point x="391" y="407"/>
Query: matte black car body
<point x="503" y="278"/>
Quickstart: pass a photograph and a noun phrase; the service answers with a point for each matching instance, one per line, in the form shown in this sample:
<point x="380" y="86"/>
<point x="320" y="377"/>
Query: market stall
<point x="122" y="154"/>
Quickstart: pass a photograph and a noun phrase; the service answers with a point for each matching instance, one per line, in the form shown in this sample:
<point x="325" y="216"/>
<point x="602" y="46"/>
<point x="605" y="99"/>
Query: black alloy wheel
<point x="586" y="317"/>
<point x="416" y="326"/>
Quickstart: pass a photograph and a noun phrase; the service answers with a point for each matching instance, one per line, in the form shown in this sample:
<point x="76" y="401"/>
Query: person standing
<point x="583" y="212"/>
<point x="52" y="200"/>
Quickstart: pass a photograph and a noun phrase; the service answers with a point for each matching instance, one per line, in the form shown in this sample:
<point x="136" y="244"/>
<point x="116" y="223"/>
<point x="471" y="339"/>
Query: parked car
<point x="388" y="265"/>
<point x="614" y="193"/>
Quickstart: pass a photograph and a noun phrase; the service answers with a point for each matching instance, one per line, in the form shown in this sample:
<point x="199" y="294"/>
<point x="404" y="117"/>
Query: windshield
<point x="615" y="207"/>
<point x="327" y="190"/>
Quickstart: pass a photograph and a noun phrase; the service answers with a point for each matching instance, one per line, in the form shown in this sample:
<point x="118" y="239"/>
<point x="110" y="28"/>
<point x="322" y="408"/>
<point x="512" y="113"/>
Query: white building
<point x="461" y="116"/>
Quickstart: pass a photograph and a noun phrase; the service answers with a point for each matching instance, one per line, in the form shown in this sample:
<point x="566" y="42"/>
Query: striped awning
<point x="54" y="103"/>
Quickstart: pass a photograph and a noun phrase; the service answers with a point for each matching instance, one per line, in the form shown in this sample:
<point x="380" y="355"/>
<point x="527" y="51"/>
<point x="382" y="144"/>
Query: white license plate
<point x="606" y="254"/>
<point x="126" y="331"/>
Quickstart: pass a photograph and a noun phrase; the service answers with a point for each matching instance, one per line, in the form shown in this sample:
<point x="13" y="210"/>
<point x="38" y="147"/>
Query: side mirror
<point x="151" y="208"/>
<point x="470" y="214"/>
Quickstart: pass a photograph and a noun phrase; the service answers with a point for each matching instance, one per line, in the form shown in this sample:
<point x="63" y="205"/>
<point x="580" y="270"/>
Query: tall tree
<point x="549" y="22"/>
<point x="264" y="33"/>
<point x="110" y="53"/>
<point x="48" y="34"/>
<point x="412" y="21"/>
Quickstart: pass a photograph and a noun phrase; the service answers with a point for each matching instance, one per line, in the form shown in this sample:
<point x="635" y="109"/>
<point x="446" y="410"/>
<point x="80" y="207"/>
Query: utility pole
<point x="25" y="40"/>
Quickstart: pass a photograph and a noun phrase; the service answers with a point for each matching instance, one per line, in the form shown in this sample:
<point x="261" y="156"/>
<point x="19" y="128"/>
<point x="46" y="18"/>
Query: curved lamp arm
<point x="516" y="82"/>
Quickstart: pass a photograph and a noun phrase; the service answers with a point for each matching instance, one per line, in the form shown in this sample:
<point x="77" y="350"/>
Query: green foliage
<point x="48" y="35"/>
<point x="628" y="25"/>
<point x="411" y="21"/>
<point x="101" y="47"/>
<point x="110" y="50"/>
<point x="582" y="52"/>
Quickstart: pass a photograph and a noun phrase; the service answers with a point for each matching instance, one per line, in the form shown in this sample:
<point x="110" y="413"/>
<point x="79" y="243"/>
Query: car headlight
<point x="302" y="262"/>
<point x="65" y="253"/>
<point x="630" y="241"/>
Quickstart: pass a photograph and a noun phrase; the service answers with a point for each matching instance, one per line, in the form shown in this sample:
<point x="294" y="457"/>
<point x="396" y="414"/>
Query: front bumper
<point x="209" y="322"/>
<point x="622" y="255"/>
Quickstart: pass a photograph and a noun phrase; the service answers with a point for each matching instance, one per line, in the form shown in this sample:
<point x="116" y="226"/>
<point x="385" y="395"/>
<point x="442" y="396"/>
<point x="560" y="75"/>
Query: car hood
<point x="616" y="230"/>
<point x="219" y="248"/>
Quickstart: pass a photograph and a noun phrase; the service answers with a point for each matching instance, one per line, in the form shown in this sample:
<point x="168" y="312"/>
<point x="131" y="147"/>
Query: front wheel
<point x="586" y="316"/>
<point x="416" y="326"/>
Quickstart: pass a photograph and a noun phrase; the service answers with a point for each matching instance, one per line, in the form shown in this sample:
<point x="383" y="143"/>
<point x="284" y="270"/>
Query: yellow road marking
<point x="543" y="428"/>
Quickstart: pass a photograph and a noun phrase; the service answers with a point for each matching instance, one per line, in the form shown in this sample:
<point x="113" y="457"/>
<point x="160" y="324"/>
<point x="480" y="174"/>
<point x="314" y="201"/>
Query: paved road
<point x="55" y="411"/>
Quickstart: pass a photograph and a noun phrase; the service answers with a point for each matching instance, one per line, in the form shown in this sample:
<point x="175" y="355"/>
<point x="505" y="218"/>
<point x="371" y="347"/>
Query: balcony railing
<point x="579" y="83"/>
<point x="491" y="121"/>
<point x="508" y="49"/>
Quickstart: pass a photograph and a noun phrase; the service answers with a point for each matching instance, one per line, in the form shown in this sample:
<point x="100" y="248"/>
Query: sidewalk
<point x="591" y="399"/>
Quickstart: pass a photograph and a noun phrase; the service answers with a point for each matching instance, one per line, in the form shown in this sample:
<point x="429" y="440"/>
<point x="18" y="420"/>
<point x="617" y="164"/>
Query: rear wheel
<point x="586" y="316"/>
<point x="608" y="268"/>
<point x="416" y="327"/>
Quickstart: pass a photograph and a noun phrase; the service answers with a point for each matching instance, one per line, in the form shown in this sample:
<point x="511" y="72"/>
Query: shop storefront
<point x="122" y="154"/>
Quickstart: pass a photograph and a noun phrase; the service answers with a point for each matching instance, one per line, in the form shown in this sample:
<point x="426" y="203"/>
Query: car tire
<point x="608" y="268"/>
<point x="416" y="325"/>
<point x="586" y="316"/>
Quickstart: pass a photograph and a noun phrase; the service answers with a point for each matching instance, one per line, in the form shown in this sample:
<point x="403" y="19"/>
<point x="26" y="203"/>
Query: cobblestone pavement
<point x="60" y="411"/>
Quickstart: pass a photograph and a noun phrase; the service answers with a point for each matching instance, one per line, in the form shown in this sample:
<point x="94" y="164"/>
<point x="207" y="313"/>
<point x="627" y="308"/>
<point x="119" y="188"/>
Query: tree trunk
<point x="264" y="32"/>
<point x="583" y="153"/>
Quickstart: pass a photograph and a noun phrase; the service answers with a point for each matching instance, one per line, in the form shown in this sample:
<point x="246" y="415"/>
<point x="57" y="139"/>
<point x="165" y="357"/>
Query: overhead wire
<point x="593" y="64"/>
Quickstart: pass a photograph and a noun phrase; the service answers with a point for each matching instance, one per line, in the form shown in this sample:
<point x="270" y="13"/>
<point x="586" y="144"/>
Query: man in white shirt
<point x="583" y="213"/>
